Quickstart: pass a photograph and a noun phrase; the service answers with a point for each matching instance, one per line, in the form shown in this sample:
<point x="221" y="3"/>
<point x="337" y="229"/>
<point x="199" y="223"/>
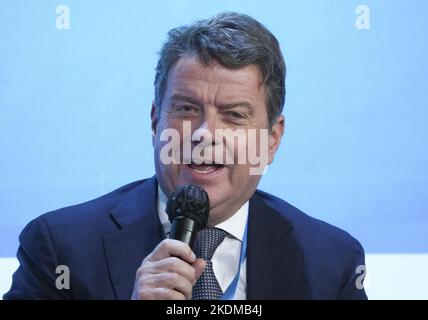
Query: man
<point x="224" y="73"/>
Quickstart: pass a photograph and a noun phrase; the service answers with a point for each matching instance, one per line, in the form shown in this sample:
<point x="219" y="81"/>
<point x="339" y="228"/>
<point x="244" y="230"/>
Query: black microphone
<point x="188" y="208"/>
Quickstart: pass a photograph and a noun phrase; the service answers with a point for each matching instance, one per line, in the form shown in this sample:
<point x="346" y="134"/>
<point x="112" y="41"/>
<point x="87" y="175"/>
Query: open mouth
<point x="205" y="167"/>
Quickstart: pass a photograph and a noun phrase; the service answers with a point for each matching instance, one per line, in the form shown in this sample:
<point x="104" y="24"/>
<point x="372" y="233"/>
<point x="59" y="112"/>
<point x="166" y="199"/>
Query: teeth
<point x="203" y="168"/>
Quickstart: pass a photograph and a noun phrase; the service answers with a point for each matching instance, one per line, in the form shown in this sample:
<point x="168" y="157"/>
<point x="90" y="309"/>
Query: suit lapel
<point x="139" y="233"/>
<point x="274" y="259"/>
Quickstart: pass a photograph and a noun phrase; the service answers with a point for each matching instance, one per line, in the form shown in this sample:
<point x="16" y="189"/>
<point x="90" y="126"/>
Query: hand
<point x="169" y="272"/>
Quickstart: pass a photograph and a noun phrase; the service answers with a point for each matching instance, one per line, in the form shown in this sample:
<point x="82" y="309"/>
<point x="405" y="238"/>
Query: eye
<point x="185" y="108"/>
<point x="235" y="115"/>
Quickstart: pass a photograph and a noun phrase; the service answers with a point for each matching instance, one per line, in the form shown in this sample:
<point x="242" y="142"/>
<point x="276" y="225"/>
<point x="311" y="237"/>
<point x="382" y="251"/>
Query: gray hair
<point x="234" y="40"/>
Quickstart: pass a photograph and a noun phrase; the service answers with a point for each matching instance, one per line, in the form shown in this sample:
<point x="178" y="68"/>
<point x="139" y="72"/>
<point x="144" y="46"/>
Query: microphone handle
<point x="184" y="229"/>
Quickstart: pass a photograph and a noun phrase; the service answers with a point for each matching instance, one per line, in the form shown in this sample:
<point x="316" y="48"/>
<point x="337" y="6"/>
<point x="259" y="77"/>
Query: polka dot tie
<point x="207" y="241"/>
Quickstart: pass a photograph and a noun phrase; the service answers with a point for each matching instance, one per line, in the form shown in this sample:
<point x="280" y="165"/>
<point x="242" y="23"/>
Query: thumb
<point x="199" y="266"/>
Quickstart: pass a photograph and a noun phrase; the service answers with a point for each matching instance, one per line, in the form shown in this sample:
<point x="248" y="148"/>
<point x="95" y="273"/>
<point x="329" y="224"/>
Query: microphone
<point x="188" y="208"/>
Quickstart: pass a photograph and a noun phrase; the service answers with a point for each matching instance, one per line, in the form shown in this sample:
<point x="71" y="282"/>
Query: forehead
<point x="189" y="75"/>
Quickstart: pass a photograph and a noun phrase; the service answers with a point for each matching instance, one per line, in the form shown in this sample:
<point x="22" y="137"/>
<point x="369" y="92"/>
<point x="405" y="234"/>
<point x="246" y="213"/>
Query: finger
<point x="172" y="248"/>
<point x="159" y="294"/>
<point x="173" y="264"/>
<point x="175" y="282"/>
<point x="199" y="267"/>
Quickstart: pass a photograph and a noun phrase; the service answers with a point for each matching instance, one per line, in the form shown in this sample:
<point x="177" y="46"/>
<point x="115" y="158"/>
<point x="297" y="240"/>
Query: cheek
<point x="240" y="180"/>
<point x="239" y="175"/>
<point x="182" y="127"/>
<point x="168" y="131"/>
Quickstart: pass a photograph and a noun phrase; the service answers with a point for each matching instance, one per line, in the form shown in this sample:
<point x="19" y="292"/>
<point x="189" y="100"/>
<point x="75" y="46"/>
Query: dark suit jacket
<point x="103" y="242"/>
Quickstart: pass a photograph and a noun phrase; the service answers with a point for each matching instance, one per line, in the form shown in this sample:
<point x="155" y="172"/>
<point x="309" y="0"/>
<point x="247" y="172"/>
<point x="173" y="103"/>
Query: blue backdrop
<point x="75" y="105"/>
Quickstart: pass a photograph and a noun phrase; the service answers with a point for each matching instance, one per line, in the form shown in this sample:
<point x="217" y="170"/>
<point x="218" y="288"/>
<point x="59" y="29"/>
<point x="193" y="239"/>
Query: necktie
<point x="207" y="241"/>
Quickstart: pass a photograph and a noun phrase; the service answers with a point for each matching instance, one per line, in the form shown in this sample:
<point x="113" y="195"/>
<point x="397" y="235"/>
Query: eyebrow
<point x="232" y="105"/>
<point x="179" y="96"/>
<point x="247" y="105"/>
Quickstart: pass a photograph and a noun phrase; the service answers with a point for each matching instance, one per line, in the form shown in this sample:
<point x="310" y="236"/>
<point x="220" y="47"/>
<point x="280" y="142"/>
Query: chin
<point x="215" y="198"/>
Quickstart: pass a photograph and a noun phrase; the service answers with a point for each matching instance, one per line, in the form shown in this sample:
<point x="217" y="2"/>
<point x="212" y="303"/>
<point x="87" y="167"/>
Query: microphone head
<point x="189" y="201"/>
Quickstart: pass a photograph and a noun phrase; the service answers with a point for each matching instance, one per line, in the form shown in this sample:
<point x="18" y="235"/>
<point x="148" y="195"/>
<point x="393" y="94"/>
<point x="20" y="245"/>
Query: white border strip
<point x="397" y="276"/>
<point x="389" y="276"/>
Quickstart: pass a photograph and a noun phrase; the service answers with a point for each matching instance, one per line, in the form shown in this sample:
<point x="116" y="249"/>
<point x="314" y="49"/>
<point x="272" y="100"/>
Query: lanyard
<point x="231" y="290"/>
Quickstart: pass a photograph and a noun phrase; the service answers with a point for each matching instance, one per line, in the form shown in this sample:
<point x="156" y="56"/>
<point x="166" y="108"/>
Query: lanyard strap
<point x="231" y="290"/>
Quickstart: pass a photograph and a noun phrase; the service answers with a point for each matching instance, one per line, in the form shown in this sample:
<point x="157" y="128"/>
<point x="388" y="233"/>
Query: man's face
<point x="209" y="98"/>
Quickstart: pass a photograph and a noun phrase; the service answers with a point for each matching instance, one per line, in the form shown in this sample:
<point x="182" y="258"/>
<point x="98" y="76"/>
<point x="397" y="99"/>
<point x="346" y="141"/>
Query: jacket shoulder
<point x="309" y="231"/>
<point x="80" y="226"/>
<point x="331" y="257"/>
<point x="93" y="212"/>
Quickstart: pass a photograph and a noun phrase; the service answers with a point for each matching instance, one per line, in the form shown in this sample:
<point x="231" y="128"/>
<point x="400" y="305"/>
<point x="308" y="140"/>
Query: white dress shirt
<point x="226" y="257"/>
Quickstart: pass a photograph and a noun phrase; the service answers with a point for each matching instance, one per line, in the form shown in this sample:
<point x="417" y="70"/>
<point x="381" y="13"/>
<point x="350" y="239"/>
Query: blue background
<point x="75" y="105"/>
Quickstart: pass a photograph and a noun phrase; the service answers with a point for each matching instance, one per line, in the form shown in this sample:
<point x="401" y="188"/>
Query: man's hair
<point x="233" y="40"/>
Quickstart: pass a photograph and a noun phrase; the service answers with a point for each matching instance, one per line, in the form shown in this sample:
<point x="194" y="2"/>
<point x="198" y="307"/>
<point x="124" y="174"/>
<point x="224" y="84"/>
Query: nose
<point x="207" y="124"/>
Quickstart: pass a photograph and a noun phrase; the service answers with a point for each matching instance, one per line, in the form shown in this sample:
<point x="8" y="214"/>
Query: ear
<point x="154" y="117"/>
<point x="275" y="137"/>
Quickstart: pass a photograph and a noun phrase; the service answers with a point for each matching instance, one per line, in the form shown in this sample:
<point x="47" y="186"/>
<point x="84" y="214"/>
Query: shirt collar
<point x="235" y="225"/>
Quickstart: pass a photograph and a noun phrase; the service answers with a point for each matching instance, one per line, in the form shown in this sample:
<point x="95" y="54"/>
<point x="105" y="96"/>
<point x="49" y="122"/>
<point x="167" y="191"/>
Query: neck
<point x="219" y="215"/>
